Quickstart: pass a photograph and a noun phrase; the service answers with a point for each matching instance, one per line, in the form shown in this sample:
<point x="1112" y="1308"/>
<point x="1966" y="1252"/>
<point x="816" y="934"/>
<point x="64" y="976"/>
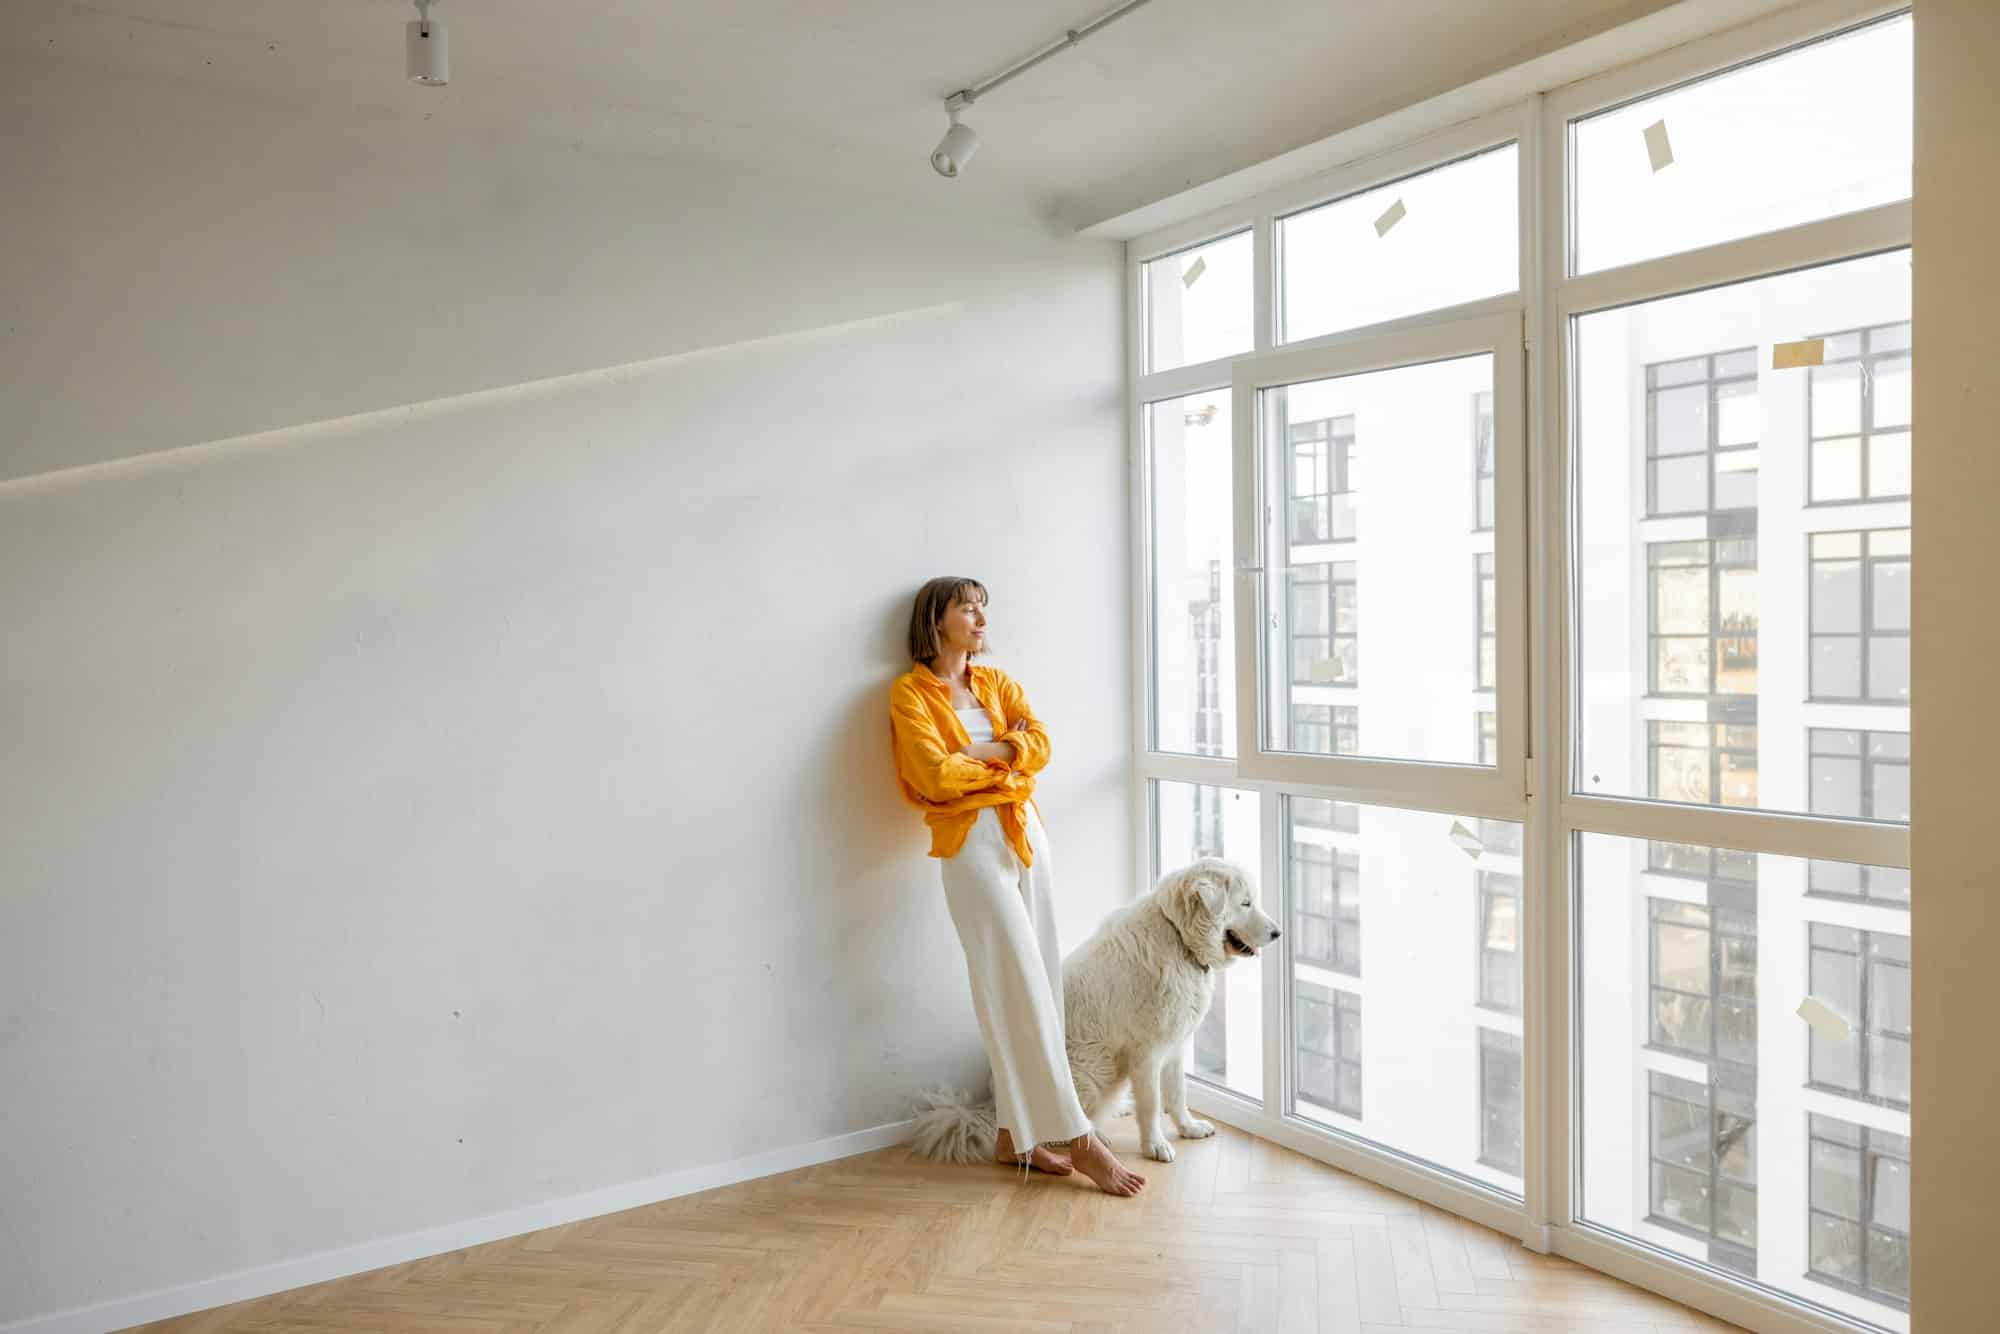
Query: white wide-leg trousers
<point x="1006" y="922"/>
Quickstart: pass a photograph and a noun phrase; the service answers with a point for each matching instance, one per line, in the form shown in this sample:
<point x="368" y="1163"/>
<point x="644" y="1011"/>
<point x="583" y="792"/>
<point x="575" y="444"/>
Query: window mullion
<point x="1278" y="961"/>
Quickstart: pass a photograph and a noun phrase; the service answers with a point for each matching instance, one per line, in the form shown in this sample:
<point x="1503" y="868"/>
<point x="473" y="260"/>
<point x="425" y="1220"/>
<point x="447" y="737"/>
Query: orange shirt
<point x="950" y="788"/>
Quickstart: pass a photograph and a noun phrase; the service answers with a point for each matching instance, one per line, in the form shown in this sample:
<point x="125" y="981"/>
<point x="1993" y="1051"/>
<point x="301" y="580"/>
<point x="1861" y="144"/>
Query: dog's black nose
<point x="1275" y="933"/>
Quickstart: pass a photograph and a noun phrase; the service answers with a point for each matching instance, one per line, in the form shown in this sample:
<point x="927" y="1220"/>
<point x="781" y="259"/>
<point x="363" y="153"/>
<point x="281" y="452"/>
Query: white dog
<point x="1134" y="993"/>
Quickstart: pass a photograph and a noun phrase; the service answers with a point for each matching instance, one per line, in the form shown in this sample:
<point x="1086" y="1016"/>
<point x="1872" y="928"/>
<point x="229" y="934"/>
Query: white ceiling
<point x="1175" y="94"/>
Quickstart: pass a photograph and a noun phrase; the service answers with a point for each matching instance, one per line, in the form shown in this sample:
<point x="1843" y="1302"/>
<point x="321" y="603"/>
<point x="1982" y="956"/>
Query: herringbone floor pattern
<point x="1237" y="1235"/>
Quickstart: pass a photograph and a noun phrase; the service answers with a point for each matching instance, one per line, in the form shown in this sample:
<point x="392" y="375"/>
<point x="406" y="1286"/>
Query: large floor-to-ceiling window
<point x="1525" y="555"/>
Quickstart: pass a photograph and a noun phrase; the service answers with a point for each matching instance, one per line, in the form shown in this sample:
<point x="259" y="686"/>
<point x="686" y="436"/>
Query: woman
<point x="967" y="750"/>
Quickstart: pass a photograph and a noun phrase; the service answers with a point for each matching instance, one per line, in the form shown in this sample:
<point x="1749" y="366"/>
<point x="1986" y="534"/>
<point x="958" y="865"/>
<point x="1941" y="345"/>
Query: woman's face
<point x="963" y="628"/>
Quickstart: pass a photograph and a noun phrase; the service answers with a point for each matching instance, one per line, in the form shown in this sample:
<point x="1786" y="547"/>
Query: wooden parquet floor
<point x="1238" y="1234"/>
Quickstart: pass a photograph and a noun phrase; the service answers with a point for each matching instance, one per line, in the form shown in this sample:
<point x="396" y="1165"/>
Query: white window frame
<point x="1555" y="1120"/>
<point x="1495" y="324"/>
<point x="1534" y="780"/>
<point x="1498" y="791"/>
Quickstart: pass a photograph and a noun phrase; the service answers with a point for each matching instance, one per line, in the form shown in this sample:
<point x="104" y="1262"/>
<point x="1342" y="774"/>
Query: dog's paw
<point x="1196" y="1128"/>
<point x="1158" y="1150"/>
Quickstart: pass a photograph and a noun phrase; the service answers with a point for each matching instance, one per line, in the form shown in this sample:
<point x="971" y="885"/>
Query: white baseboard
<point x="164" y="1303"/>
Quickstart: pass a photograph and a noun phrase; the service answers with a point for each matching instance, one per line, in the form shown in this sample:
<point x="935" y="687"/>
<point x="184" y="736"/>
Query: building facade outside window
<point x="1326" y="894"/>
<point x="1322" y="481"/>
<point x="1703" y="963"/>
<point x="1858" y="417"/>
<point x="1324" y="624"/>
<point x="1703" y="763"/>
<point x="1864" y="775"/>
<point x="1326" y="729"/>
<point x="1704" y="1163"/>
<point x="1320" y="813"/>
<point x="1703" y="623"/>
<point x="1865" y="977"/>
<point x="1500" y="1100"/>
<point x="1860" y="616"/>
<point x="1499" y="942"/>
<point x="1488" y="666"/>
<point x="1329" y="1046"/>
<point x="1858" y="1209"/>
<point x="1861" y="774"/>
<point x="1482" y="461"/>
<point x="1697" y="861"/>
<point x="1701" y="434"/>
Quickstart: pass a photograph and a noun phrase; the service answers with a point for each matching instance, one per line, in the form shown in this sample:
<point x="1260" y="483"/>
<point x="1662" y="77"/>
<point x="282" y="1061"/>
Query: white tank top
<point x="977" y="725"/>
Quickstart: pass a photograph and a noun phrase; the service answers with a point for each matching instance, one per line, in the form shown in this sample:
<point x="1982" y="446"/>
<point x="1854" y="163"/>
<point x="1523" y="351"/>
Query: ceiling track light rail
<point x="961" y="141"/>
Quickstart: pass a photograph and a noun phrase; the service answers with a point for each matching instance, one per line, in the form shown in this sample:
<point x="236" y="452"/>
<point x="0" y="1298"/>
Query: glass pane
<point x="1890" y="587"/>
<point x="1417" y="1068"/>
<point x="1707" y="1135"/>
<point x="1889" y="789"/>
<point x="1893" y="338"/>
<point x="1680" y="486"/>
<point x="1889" y="464"/>
<point x="1198" y="304"/>
<point x="1836" y="878"/>
<point x="1836" y="597"/>
<point x="1836" y="470"/>
<point x="1836" y="1179"/>
<point x="1189" y="464"/>
<point x="1500" y="942"/>
<point x="1836" y="668"/>
<point x="1892" y="392"/>
<point x="1816" y="132"/>
<point x="1736" y="413"/>
<point x="1680" y="420"/>
<point x="1192" y="821"/>
<point x="1682" y="694"/>
<point x="1680" y="1196"/>
<point x="1890" y="1190"/>
<point x="1836" y="1062"/>
<point x="1342" y="633"/>
<point x="1889" y="1070"/>
<point x="1357" y="261"/>
<point x="1736" y="1214"/>
<point x="1736" y="479"/>
<point x="1889" y="1264"/>
<point x="1889" y="669"/>
<point x="1836" y="1249"/>
<point x="1500" y="1118"/>
<point x="1836" y="399"/>
<point x="1483" y="460"/>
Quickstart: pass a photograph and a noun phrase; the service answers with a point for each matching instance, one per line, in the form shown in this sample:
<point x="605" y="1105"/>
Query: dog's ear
<point x="1193" y="895"/>
<point x="1210" y="881"/>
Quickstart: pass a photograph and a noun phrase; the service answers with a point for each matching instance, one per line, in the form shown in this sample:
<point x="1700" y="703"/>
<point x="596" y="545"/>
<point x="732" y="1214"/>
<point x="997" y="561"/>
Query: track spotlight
<point x="960" y="142"/>
<point x="426" y="51"/>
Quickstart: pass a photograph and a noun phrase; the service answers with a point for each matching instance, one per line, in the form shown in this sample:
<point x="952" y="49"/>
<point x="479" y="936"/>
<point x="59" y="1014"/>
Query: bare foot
<point x="1093" y="1158"/>
<point x="1041" y="1159"/>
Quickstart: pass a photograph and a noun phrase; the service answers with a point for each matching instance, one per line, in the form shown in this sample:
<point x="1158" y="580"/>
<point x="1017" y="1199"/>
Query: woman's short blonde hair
<point x="934" y="599"/>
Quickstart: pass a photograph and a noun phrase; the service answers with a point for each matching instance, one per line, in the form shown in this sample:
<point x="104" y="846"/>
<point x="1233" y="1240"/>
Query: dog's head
<point x="1213" y="904"/>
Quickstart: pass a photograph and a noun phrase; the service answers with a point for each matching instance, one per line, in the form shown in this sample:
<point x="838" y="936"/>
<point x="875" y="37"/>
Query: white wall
<point x="430" y="812"/>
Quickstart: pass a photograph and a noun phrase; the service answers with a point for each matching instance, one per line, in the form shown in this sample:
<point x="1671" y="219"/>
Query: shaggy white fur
<point x="1134" y="994"/>
<point x="953" y="1128"/>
